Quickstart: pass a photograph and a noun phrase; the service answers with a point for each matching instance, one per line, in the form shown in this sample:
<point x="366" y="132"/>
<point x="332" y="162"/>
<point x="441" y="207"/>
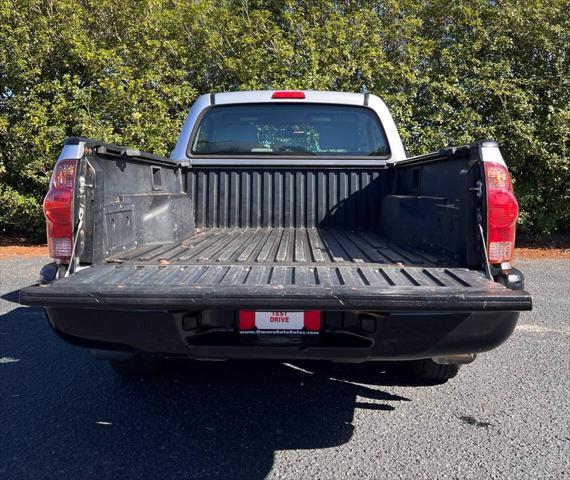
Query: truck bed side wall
<point x="434" y="206"/>
<point x="129" y="203"/>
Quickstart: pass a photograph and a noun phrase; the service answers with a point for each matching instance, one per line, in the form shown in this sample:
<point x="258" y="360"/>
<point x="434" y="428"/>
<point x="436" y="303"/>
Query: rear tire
<point x="427" y="369"/>
<point x="136" y="367"/>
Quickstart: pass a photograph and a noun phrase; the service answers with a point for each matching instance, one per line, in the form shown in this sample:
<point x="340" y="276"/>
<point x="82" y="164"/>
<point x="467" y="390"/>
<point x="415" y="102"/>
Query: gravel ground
<point x="65" y="415"/>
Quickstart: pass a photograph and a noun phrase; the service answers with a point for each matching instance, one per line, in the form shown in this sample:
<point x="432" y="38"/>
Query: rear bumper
<point x="345" y="336"/>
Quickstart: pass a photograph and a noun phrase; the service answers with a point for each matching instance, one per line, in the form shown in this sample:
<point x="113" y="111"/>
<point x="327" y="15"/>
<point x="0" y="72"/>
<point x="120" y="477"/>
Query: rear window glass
<point x="290" y="129"/>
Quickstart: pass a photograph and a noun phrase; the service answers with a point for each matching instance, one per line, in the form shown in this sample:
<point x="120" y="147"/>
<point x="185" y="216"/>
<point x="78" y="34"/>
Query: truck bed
<point x="279" y="268"/>
<point x="159" y="235"/>
<point x="280" y="246"/>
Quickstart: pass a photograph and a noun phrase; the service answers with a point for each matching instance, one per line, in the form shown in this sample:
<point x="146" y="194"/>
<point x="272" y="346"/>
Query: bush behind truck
<point x="126" y="72"/>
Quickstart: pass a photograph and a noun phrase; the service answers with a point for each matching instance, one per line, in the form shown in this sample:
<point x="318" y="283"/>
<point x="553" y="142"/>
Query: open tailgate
<point x="287" y="287"/>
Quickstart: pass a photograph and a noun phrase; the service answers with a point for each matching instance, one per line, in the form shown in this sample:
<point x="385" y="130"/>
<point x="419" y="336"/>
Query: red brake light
<point x="288" y="94"/>
<point x="58" y="210"/>
<point x="502" y="213"/>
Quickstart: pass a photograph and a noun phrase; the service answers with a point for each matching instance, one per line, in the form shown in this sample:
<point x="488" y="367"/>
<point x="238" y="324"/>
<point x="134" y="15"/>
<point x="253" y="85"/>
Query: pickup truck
<point x="285" y="225"/>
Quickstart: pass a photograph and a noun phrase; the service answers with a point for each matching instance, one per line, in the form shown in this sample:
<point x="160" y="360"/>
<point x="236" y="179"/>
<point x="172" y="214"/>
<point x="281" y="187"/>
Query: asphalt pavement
<point x="66" y="415"/>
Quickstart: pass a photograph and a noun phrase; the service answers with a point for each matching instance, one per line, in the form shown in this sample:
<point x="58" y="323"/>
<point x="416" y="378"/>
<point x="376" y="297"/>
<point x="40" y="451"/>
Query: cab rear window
<point x="290" y="129"/>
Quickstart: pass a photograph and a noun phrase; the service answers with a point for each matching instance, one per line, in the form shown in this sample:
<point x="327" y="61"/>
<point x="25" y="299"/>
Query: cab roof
<point x="310" y="96"/>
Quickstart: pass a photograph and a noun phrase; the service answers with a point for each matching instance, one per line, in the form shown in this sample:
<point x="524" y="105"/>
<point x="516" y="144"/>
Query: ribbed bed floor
<point x="285" y="246"/>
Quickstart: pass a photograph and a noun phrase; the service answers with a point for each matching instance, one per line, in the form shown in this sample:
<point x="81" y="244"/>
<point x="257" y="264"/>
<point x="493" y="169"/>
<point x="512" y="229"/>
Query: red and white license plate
<point x="284" y="323"/>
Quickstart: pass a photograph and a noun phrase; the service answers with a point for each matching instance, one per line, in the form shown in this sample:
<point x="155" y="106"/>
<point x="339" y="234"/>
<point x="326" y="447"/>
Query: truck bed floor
<point x="284" y="246"/>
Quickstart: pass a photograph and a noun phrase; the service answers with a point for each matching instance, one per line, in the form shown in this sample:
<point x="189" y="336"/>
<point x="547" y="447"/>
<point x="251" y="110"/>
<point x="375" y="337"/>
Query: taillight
<point x="58" y="210"/>
<point x="502" y="213"/>
<point x="288" y="94"/>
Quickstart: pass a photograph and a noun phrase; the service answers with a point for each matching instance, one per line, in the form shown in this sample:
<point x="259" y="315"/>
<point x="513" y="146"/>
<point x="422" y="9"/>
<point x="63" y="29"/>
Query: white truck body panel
<point x="264" y="96"/>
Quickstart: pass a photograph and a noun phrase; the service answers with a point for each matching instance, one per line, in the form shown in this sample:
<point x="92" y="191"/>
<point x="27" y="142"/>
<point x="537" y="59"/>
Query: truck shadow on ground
<point x="65" y="414"/>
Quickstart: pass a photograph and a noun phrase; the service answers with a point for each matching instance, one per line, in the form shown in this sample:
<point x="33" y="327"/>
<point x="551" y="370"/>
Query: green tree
<point x="127" y="72"/>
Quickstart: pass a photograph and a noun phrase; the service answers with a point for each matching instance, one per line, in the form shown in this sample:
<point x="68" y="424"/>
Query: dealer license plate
<point x="254" y="322"/>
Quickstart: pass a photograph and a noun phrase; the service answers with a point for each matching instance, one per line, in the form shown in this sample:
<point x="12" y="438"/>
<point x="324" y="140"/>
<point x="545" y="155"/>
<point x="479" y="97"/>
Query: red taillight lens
<point x="288" y="94"/>
<point x="503" y="209"/>
<point x="502" y="213"/>
<point x="58" y="210"/>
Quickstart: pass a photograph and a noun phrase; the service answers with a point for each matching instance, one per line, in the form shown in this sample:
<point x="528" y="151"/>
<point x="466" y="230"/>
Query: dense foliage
<point x="127" y="71"/>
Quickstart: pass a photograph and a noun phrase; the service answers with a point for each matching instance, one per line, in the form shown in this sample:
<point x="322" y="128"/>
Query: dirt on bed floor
<point x="528" y="247"/>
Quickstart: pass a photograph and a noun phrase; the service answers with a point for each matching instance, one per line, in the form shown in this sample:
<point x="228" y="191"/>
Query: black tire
<point x="136" y="367"/>
<point x="427" y="369"/>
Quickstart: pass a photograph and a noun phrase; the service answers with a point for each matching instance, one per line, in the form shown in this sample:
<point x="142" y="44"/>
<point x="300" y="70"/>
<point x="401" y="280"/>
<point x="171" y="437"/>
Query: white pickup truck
<point x="286" y="225"/>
